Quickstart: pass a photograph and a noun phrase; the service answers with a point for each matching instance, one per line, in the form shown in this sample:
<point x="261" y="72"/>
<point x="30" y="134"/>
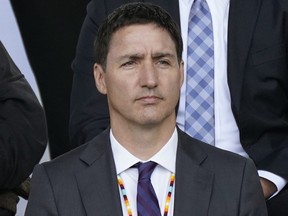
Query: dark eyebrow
<point x="131" y="56"/>
<point x="163" y="55"/>
<point x="138" y="56"/>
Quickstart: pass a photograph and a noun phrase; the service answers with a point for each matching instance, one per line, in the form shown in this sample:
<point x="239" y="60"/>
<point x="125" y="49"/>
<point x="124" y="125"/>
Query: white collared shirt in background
<point x="226" y="130"/>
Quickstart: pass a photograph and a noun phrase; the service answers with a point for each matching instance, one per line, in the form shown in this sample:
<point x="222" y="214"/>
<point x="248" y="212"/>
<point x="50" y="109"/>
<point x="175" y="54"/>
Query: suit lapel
<point x="193" y="184"/>
<point x="242" y="20"/>
<point x="98" y="186"/>
<point x="97" y="183"/>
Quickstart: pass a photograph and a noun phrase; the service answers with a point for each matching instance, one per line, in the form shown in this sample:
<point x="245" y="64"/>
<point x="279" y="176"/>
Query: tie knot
<point x="145" y="170"/>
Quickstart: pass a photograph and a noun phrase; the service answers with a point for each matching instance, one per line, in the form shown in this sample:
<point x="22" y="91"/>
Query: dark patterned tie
<point x="147" y="202"/>
<point x="199" y="121"/>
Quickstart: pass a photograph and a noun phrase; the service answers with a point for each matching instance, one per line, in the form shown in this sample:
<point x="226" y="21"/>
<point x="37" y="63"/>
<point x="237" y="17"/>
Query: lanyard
<point x="168" y="198"/>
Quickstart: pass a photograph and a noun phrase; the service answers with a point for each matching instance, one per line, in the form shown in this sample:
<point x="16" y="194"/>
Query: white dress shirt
<point x="160" y="178"/>
<point x="226" y="130"/>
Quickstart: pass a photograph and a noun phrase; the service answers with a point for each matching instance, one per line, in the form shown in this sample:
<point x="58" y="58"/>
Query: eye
<point x="163" y="63"/>
<point x="128" y="64"/>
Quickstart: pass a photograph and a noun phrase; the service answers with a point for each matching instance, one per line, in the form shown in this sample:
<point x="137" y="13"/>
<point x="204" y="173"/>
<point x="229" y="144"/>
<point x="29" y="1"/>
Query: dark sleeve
<point x="252" y="200"/>
<point x="88" y="108"/>
<point x="23" y="132"/>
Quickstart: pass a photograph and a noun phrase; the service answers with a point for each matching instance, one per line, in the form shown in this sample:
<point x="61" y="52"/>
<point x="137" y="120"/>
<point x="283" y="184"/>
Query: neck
<point x="143" y="142"/>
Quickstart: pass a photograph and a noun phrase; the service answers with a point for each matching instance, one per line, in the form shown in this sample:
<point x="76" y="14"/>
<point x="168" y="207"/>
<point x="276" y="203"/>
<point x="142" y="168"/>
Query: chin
<point x="154" y="120"/>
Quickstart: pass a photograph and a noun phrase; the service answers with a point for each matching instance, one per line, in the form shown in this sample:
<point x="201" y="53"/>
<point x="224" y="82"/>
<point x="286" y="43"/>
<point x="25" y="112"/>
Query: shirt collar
<point x="222" y="2"/>
<point x="166" y="157"/>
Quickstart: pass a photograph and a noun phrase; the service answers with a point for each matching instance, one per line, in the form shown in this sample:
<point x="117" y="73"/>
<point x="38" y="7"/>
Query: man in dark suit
<point x="23" y="136"/>
<point x="139" y="67"/>
<point x="256" y="86"/>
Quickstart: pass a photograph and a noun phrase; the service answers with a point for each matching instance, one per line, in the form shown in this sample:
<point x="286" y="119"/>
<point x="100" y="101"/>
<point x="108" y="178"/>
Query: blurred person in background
<point x="49" y="30"/>
<point x="23" y="136"/>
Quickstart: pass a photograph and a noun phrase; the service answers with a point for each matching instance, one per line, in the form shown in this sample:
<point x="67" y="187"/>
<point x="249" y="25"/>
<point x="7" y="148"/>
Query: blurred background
<point x="41" y="38"/>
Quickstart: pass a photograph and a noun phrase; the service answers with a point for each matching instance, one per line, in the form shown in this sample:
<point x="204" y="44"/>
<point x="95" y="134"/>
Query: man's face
<point x="142" y="78"/>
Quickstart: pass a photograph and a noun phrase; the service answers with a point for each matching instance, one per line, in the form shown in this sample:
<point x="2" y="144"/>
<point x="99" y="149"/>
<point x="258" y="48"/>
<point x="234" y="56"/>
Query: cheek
<point x="172" y="92"/>
<point x="173" y="85"/>
<point x="119" y="89"/>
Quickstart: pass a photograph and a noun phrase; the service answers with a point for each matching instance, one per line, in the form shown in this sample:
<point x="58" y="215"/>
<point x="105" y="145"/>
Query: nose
<point x="149" y="76"/>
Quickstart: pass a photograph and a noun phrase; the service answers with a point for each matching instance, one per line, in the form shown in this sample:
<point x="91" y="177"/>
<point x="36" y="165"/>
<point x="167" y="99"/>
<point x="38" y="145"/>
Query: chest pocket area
<point x="268" y="54"/>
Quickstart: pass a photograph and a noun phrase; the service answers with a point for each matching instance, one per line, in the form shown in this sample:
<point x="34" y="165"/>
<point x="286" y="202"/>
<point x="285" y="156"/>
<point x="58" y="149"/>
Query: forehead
<point x="137" y="36"/>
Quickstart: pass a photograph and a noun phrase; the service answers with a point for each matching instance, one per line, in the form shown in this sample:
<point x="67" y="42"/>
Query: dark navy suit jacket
<point x="208" y="181"/>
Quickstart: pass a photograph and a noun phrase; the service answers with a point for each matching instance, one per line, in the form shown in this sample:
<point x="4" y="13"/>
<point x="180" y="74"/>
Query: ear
<point x="181" y="72"/>
<point x="99" y="77"/>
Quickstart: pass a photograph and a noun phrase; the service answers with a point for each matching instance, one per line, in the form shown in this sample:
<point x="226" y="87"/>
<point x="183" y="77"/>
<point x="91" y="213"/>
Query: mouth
<point x="149" y="100"/>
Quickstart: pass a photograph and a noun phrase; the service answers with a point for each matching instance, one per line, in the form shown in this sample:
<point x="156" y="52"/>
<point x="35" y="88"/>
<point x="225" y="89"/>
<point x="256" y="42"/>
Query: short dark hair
<point x="135" y="13"/>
